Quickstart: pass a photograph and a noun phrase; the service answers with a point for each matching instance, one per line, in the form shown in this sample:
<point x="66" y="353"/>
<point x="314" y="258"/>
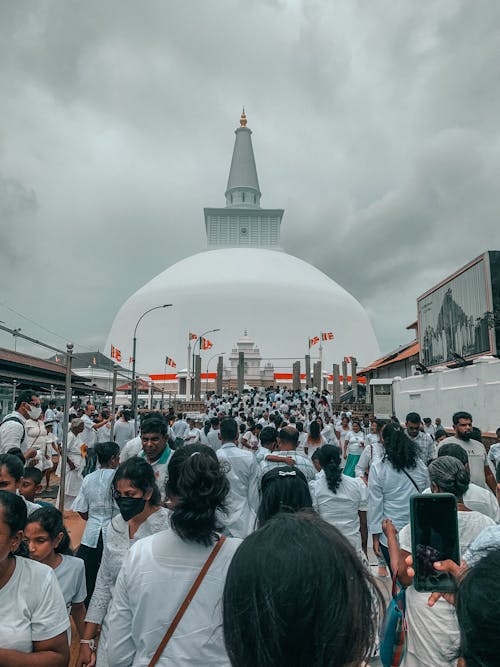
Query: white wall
<point x="473" y="388"/>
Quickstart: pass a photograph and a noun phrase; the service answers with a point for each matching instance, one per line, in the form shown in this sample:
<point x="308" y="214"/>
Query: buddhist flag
<point x="205" y="344"/>
<point x="170" y="362"/>
<point x="115" y="353"/>
<point x="327" y="335"/>
<point x="58" y="359"/>
<point x="348" y="360"/>
<point x="313" y="341"/>
<point x="193" y="336"/>
<point x="94" y="361"/>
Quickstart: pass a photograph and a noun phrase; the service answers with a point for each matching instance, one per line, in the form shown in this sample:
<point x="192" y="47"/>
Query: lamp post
<point x="198" y="340"/>
<point x="217" y="354"/>
<point x="134" y="379"/>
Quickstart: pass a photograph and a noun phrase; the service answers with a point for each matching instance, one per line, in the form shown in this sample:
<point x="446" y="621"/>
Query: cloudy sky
<point x="375" y="125"/>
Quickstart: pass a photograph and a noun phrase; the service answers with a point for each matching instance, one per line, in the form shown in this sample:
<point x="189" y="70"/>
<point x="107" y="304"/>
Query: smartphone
<point x="434" y="534"/>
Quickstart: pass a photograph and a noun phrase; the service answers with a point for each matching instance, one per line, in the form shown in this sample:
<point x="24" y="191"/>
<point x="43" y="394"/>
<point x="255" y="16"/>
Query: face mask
<point x="35" y="412"/>
<point x="130" y="507"/>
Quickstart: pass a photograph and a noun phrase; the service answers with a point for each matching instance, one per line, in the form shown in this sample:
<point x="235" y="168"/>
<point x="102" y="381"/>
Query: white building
<point x="243" y="281"/>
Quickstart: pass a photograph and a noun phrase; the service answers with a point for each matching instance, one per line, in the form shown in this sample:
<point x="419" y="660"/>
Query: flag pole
<point x="188" y="378"/>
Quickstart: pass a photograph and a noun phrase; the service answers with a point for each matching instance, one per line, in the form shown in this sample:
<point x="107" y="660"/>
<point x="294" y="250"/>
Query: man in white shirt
<point x="288" y="438"/>
<point x="155" y="449"/>
<point x="480" y="472"/>
<point x="213" y="438"/>
<point x="424" y="442"/>
<point x="12" y="433"/>
<point x="180" y="427"/>
<point x="243" y="474"/>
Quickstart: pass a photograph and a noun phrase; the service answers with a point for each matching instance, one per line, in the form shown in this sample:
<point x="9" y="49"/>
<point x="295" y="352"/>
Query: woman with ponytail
<point x="340" y="500"/>
<point x="159" y="572"/>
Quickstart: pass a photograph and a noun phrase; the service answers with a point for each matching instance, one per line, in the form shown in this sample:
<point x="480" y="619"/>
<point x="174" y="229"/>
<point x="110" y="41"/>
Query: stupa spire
<point x="243" y="185"/>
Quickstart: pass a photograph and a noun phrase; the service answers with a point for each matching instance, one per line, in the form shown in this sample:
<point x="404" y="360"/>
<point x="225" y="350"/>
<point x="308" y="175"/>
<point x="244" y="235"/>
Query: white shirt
<point x="153" y="583"/>
<point x="494" y="457"/>
<point x="70" y="574"/>
<point x="180" y="428"/>
<point x="88" y="435"/>
<point x="439" y="647"/>
<point x="132" y="448"/>
<point x="12" y="432"/>
<point x="477" y="457"/>
<point x="302" y="463"/>
<point x="193" y="436"/>
<point x="372" y="451"/>
<point x="389" y="492"/>
<point x="32" y="605"/>
<point x="481" y="500"/>
<point x="340" y="509"/>
<point x="123" y="432"/>
<point x="160" y="468"/>
<point x="356" y="442"/>
<point x="213" y="439"/>
<point x="242" y="503"/>
<point x="95" y="498"/>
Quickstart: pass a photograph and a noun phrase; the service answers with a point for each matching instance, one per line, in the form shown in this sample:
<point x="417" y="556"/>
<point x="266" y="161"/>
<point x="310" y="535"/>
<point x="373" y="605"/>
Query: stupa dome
<point x="246" y="282"/>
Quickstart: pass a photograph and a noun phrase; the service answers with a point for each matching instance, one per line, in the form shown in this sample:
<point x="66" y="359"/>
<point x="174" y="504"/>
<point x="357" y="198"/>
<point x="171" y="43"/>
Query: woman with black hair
<point x="138" y="498"/>
<point x="48" y="542"/>
<point x="340" y="500"/>
<point x="160" y="571"/>
<point x="314" y="438"/>
<point x="283" y="489"/>
<point x="296" y="594"/>
<point x="398" y="475"/>
<point x="34" y="617"/>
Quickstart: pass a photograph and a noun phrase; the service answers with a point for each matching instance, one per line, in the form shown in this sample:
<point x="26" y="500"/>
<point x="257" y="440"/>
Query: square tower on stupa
<point x="243" y="222"/>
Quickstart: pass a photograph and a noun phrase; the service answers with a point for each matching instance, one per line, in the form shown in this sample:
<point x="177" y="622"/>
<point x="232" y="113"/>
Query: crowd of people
<point x="241" y="536"/>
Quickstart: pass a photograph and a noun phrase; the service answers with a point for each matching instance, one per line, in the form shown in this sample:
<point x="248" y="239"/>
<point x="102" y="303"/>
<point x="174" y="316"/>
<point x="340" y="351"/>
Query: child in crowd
<point x="31" y="486"/>
<point x="48" y="542"/>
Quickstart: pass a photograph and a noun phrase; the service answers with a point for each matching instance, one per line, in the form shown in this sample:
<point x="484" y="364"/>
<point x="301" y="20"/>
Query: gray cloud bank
<point x="375" y="127"/>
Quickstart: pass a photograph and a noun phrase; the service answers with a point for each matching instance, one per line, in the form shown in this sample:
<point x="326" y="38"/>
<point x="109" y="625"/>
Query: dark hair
<point x="207" y="427"/>
<point x="476" y="434"/>
<point x="154" y="424"/>
<point x="497" y="473"/>
<point x="413" y="418"/>
<point x="439" y="434"/>
<point x="400" y="450"/>
<point x="200" y="487"/>
<point x="14" y="511"/>
<point x="284" y="489"/>
<point x="315" y="430"/>
<point x="458" y="452"/>
<point x="450" y="475"/>
<point x="268" y="435"/>
<point x="326" y="617"/>
<point x="17" y="451"/>
<point x="24" y="397"/>
<point x="315" y="455"/>
<point x="35" y="474"/>
<point x="215" y="421"/>
<point x="141" y="475"/>
<point x="329" y="457"/>
<point x="228" y="429"/>
<point x="105" y="451"/>
<point x="51" y="521"/>
<point x="14" y="466"/>
<point x="461" y="414"/>
<point x="477" y="599"/>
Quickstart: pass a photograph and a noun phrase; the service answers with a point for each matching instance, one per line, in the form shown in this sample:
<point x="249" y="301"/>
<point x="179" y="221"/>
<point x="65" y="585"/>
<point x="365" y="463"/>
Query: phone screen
<point x="434" y="529"/>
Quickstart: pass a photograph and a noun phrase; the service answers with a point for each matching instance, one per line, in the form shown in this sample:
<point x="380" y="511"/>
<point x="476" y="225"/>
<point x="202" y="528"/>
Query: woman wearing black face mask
<point x="138" y="499"/>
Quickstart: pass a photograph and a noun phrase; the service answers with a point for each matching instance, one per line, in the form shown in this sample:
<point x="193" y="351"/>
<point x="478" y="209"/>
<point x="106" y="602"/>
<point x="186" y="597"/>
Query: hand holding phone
<point x="434" y="532"/>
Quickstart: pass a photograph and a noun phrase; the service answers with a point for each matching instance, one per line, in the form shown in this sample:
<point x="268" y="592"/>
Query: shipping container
<point x="461" y="315"/>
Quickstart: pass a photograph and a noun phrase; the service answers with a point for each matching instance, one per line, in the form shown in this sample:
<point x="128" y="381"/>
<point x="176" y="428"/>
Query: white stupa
<point x="243" y="281"/>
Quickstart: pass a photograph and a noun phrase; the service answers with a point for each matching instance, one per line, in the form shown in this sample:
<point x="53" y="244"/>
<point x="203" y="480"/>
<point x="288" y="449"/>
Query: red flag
<point x="328" y="335"/>
<point x="115" y="353"/>
<point x="348" y="360"/>
<point x="193" y="336"/>
<point x="205" y="344"/>
<point x="131" y="360"/>
<point x="170" y="362"/>
<point x="313" y="341"/>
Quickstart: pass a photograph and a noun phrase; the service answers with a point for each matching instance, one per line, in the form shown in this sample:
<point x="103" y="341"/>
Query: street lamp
<point x="198" y="340"/>
<point x="217" y="354"/>
<point x="134" y="379"/>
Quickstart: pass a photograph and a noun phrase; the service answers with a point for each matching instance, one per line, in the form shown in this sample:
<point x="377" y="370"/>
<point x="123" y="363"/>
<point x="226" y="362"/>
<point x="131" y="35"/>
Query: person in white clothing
<point x="159" y="571"/>
<point x="12" y="428"/>
<point x="74" y="464"/>
<point x="11" y="474"/>
<point x="124" y="429"/>
<point x="339" y="499"/>
<point x="372" y="451"/>
<point x="494" y="454"/>
<point x="34" y="617"/>
<point x="433" y="634"/>
<point x="94" y="503"/>
<point x="36" y="435"/>
<point x="213" y="438"/>
<point x="288" y="438"/>
<point x="243" y="475"/>
<point x="141" y="514"/>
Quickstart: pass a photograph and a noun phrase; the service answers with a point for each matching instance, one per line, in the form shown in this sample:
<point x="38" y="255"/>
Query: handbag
<point x="192" y="591"/>
<point x="393" y="636"/>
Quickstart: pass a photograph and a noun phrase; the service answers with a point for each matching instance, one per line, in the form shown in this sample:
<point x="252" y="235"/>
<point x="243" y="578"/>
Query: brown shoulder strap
<point x="192" y="591"/>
